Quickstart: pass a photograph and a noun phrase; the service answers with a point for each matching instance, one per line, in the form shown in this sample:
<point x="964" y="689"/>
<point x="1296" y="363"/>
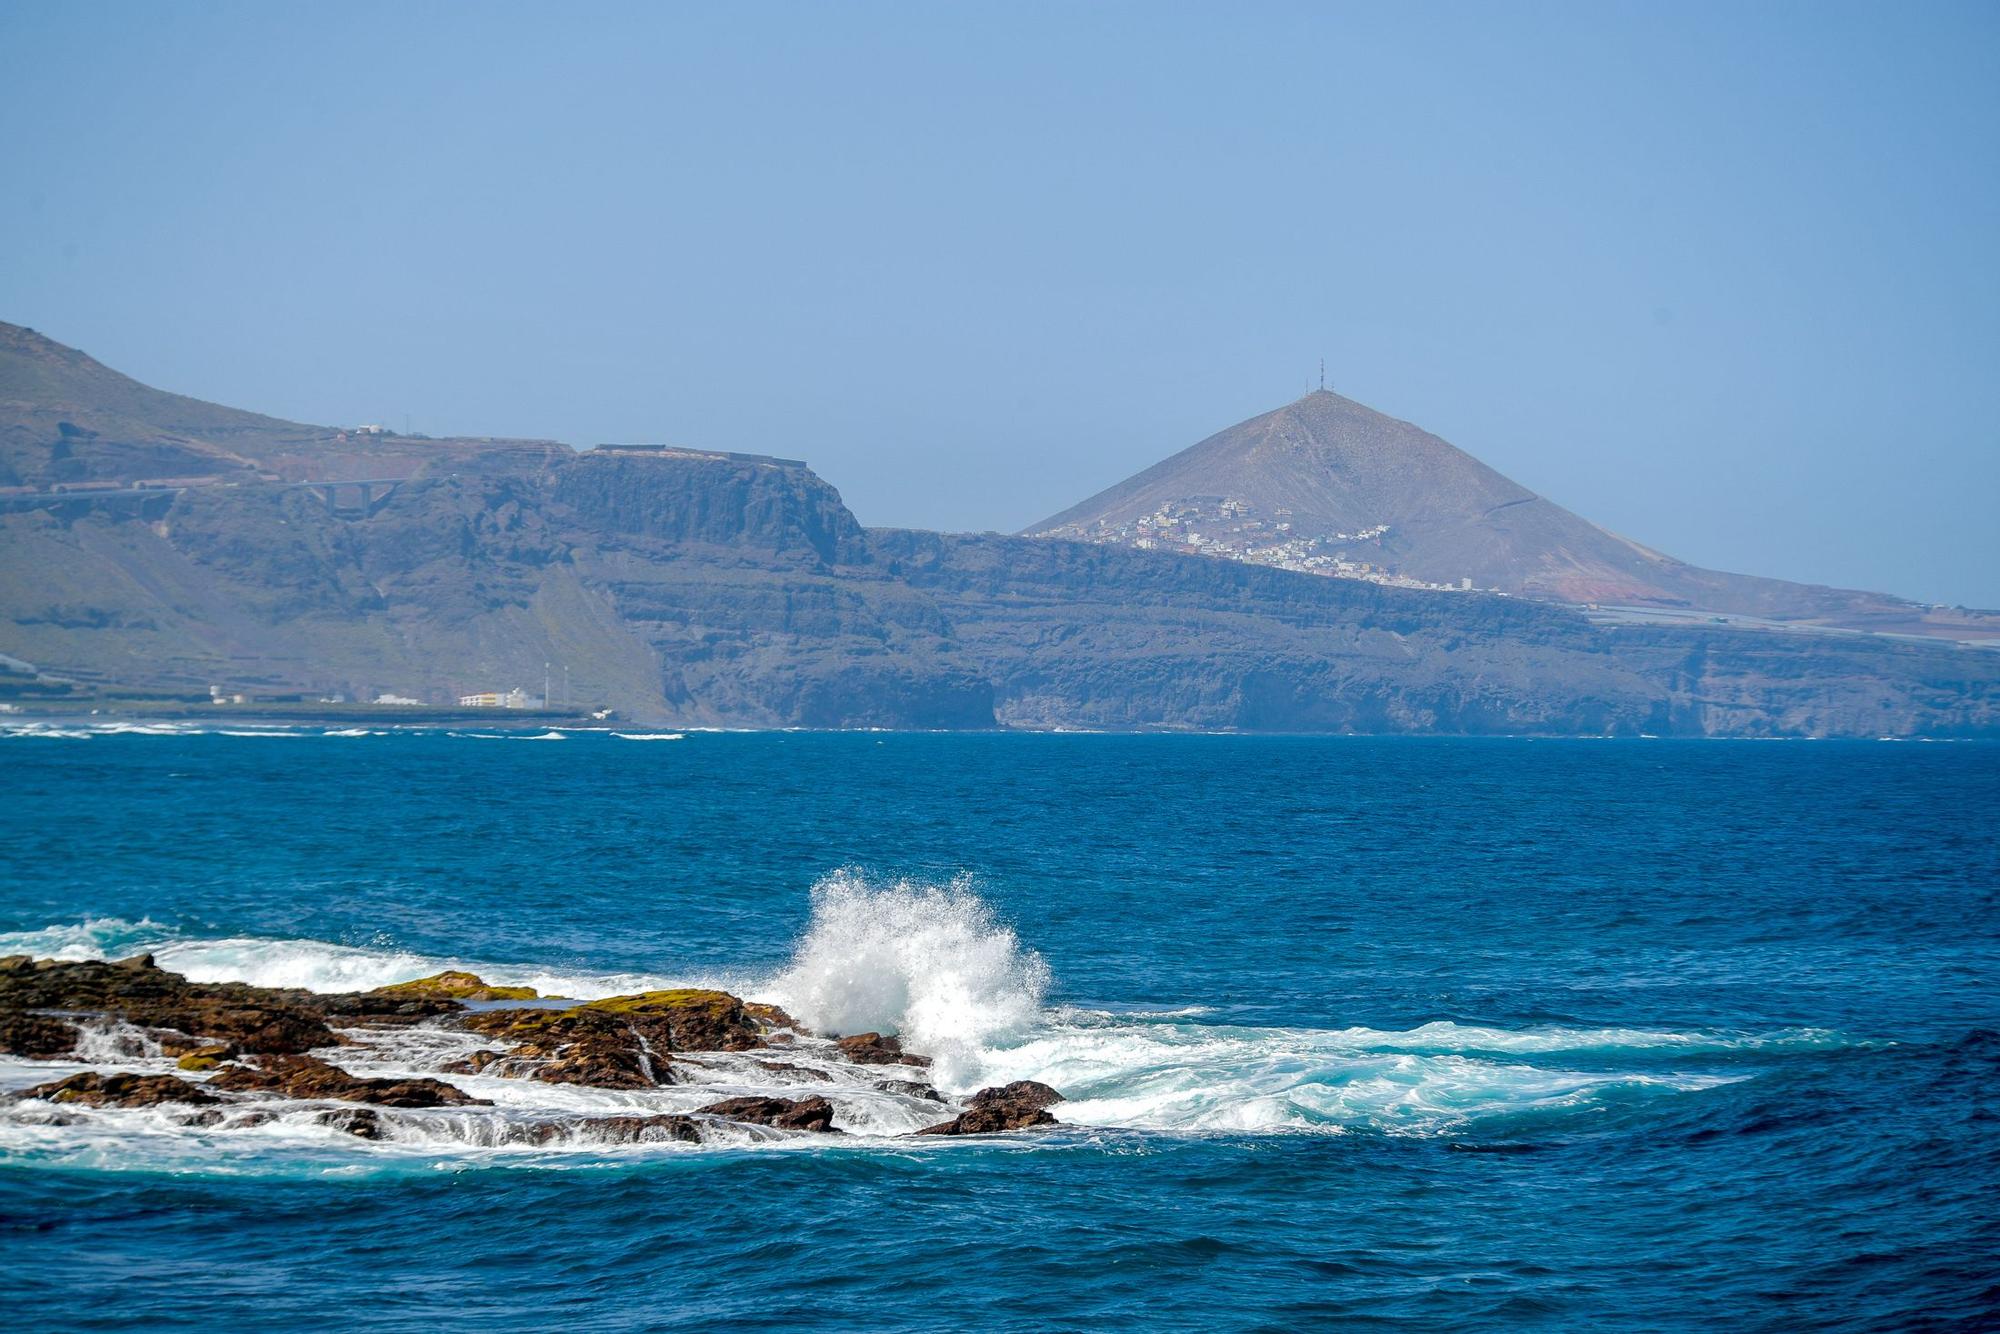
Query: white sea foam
<point x="312" y="965"/>
<point x="650" y="736"/>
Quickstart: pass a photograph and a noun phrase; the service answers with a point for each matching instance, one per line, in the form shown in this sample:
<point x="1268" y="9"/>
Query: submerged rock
<point x="1020" y="1105"/>
<point x="473" y="1064"/>
<point x="796" y="1071"/>
<point x="784" y="1113"/>
<point x="874" y="1049"/>
<point x="664" y="1128"/>
<point x="910" y="1089"/>
<point x="121" y="1090"/>
<point x="360" y="1122"/>
<point x="309" y="1077"/>
<point x="454" y="985"/>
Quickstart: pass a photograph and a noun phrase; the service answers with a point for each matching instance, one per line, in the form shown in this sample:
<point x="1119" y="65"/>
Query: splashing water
<point x="928" y="963"/>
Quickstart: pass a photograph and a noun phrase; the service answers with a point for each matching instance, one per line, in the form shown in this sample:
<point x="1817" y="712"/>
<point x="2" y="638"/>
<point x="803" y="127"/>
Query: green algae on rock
<point x="455" y="985"/>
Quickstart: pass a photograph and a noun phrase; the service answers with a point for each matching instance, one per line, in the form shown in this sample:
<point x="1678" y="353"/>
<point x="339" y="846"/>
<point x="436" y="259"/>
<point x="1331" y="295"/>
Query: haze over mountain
<point x="1330" y="485"/>
<point x="156" y="550"/>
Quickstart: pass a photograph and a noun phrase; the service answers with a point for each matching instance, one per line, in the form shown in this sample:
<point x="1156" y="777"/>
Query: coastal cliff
<point x="684" y="587"/>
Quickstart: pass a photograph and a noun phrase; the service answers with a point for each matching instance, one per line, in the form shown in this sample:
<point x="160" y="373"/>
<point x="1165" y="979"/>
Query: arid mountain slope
<point x="1330" y="485"/>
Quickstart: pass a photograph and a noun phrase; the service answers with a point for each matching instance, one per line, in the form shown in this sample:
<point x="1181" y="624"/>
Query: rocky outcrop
<point x="875" y="1049"/>
<point x="1021" y="1105"/>
<point x="687" y="1019"/>
<point x="91" y="1089"/>
<point x="1024" y="1094"/>
<point x="453" y="985"/>
<point x="698" y="497"/>
<point x="781" y="1113"/>
<point x="183" y="1017"/>
<point x="139" y="992"/>
<point x="618" y="1042"/>
<point x="574" y="1046"/>
<point x="37" y="1036"/>
<point x="769" y="1017"/>
<point x="308" y="1078"/>
<point x="622" y="1042"/>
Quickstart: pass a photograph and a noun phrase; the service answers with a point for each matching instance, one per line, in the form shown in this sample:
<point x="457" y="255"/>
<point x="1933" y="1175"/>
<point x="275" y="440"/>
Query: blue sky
<point x="1719" y="277"/>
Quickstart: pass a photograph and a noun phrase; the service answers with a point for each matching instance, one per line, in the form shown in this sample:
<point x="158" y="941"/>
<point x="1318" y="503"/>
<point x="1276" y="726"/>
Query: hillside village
<point x="1231" y="528"/>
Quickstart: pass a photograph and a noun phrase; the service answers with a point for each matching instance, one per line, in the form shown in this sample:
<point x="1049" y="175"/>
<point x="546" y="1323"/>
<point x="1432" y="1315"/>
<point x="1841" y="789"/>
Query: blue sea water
<point x="1469" y="1034"/>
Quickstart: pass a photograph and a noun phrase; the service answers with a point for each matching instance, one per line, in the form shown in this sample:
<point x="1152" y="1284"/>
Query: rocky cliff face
<point x="686" y="589"/>
<point x="1075" y="634"/>
<point x="759" y="596"/>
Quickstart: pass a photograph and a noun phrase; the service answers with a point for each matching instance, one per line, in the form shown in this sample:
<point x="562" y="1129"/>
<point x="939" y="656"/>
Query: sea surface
<point x="1467" y="1034"/>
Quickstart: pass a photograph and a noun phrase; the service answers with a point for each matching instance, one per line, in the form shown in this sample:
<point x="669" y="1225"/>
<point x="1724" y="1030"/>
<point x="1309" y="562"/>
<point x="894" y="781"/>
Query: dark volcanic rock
<point x="1025" y="1094"/>
<point x="770" y="1016"/>
<point x="309" y="1077"/>
<point x="121" y="1090"/>
<point x="783" y="1113"/>
<point x="139" y="992"/>
<point x="194" y="1015"/>
<point x="577" y="1046"/>
<point x="1021" y="1105"/>
<point x="874" y="1049"/>
<point x="35" y="1035"/>
<point x="689" y="1019"/>
<point x="621" y="1041"/>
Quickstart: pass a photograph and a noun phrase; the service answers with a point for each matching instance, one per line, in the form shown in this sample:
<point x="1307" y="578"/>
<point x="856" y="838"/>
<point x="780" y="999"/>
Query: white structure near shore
<point x="516" y="698"/>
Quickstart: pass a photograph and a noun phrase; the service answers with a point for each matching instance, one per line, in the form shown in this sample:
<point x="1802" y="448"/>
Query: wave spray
<point x="928" y="963"/>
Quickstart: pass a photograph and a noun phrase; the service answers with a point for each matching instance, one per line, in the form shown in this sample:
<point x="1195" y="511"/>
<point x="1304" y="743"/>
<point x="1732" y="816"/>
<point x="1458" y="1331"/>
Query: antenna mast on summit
<point x="1322" y="374"/>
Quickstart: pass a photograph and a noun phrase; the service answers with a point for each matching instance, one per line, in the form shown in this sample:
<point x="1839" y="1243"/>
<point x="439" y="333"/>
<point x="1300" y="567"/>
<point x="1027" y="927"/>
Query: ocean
<point x="1430" y="1033"/>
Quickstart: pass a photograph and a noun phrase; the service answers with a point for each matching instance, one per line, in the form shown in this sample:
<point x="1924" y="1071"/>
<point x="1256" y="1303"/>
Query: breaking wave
<point x="935" y="965"/>
<point x="928" y="963"/>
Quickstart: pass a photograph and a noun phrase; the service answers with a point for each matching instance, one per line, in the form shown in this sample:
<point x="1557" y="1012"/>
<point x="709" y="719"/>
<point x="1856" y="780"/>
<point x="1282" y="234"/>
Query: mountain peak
<point x="1329" y="485"/>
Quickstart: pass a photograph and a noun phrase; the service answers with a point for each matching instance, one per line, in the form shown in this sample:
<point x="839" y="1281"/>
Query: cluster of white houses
<point x="1233" y="529"/>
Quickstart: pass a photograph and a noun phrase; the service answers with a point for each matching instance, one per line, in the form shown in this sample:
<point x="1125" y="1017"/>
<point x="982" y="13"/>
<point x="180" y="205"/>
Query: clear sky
<point x="1721" y="277"/>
